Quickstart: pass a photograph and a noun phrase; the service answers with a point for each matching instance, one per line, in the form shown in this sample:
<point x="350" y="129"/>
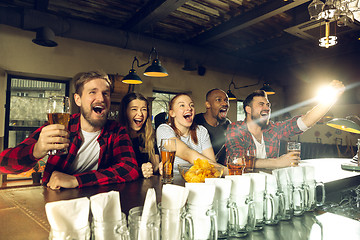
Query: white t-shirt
<point x="164" y="131"/>
<point x="87" y="157"/>
<point x="260" y="147"/>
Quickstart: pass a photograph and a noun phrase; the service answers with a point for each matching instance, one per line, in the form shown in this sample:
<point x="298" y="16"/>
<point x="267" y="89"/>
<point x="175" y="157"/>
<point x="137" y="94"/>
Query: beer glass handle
<point x="269" y="198"/>
<point x="307" y="200"/>
<point x="282" y="208"/>
<point x="251" y="215"/>
<point x="123" y="231"/>
<point x="213" y="221"/>
<point x="187" y="227"/>
<point x="301" y="195"/>
<point x="233" y="216"/>
<point x="320" y="184"/>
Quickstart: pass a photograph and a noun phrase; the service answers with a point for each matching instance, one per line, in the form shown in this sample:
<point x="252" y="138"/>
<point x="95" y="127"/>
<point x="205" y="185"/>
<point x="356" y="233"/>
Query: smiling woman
<point x="193" y="141"/>
<point x="134" y="115"/>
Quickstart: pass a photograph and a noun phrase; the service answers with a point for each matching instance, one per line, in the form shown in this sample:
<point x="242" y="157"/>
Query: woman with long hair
<point x="134" y="115"/>
<point x="193" y="140"/>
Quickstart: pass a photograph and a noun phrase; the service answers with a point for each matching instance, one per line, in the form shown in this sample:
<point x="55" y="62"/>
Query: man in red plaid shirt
<point x="100" y="150"/>
<point x="259" y="133"/>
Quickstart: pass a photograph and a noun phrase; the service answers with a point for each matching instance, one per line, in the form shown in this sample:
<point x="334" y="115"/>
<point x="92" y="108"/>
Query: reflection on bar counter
<point x="349" y="205"/>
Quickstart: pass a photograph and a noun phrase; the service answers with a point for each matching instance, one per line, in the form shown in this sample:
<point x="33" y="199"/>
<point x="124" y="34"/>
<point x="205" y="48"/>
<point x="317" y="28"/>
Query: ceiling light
<point x="268" y="89"/>
<point x="45" y="37"/>
<point x="340" y="11"/>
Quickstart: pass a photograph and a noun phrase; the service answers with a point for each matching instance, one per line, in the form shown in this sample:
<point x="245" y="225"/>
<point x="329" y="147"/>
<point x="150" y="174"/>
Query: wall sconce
<point x="266" y="87"/>
<point x="154" y="70"/>
<point x="231" y="96"/>
<point x="45" y="37"/>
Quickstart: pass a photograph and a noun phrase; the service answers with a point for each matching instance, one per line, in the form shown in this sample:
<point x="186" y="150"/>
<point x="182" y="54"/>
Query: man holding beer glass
<point x="99" y="150"/>
<point x="258" y="132"/>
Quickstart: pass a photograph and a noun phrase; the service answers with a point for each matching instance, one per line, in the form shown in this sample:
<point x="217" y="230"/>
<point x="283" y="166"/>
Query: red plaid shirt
<point x="239" y="137"/>
<point x="117" y="161"/>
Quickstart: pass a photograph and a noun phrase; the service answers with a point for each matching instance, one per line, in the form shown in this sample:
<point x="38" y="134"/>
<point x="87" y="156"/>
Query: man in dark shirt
<point x="215" y="120"/>
<point x="100" y="150"/>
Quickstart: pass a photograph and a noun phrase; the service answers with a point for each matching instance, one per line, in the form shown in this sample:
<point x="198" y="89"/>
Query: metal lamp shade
<point x="156" y="70"/>
<point x="231" y="96"/>
<point x="344" y="124"/>
<point x="267" y="89"/>
<point x="45" y="37"/>
<point x="132" y="78"/>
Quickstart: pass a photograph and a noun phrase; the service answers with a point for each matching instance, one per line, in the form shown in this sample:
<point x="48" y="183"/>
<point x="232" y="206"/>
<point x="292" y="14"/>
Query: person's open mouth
<point x="99" y="109"/>
<point x="188" y="117"/>
<point x="139" y="122"/>
<point x="223" y="112"/>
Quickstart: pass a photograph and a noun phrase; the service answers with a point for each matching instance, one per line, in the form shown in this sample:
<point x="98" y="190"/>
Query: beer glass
<point x="151" y="230"/>
<point x="294" y="147"/>
<point x="205" y="221"/>
<point x="250" y="156"/>
<point x="176" y="224"/>
<point x="110" y="230"/>
<point x="58" y="112"/>
<point x="168" y="150"/>
<point x="236" y="163"/>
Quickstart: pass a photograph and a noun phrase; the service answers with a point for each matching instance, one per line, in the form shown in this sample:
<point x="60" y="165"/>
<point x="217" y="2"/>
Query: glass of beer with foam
<point x="58" y="112"/>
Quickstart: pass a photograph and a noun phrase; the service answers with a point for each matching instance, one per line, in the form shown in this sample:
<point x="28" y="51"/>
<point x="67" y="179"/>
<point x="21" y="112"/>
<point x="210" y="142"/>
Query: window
<point x="160" y="103"/>
<point x="26" y="102"/>
<point x="240" y="114"/>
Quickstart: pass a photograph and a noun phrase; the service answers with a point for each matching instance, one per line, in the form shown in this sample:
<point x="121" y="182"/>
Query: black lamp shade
<point x="156" y="70"/>
<point x="132" y="78"/>
<point x="231" y="96"/>
<point x="45" y="36"/>
<point x="267" y="89"/>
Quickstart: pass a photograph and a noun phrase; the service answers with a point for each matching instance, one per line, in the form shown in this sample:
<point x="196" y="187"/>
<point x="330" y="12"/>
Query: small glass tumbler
<point x="74" y="234"/>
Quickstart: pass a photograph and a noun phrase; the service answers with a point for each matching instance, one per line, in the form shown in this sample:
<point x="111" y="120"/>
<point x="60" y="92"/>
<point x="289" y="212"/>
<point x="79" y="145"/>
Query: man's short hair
<point x="83" y="77"/>
<point x="209" y="92"/>
<point x="250" y="97"/>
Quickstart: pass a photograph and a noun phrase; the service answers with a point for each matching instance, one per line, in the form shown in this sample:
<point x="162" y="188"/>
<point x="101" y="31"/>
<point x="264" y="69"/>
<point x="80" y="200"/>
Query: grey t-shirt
<point x="164" y="131"/>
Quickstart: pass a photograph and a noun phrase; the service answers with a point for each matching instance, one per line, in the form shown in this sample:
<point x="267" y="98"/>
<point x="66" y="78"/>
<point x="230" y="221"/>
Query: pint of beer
<point x="168" y="149"/>
<point x="58" y="112"/>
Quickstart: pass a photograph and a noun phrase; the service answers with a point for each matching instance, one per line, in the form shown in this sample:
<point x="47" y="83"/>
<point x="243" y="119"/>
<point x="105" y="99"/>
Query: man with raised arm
<point x="258" y="132"/>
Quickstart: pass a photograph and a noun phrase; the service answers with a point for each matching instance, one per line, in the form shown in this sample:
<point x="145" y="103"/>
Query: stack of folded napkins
<point x="107" y="216"/>
<point x="173" y="200"/>
<point x="69" y="219"/>
<point x="149" y="213"/>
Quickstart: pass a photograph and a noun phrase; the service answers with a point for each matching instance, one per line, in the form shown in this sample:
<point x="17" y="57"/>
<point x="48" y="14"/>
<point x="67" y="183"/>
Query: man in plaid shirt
<point x="100" y="150"/>
<point x="259" y="133"/>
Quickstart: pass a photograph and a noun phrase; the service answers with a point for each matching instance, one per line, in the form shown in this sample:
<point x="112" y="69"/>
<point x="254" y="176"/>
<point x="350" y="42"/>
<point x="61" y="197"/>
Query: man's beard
<point x="261" y="122"/>
<point x="96" y="123"/>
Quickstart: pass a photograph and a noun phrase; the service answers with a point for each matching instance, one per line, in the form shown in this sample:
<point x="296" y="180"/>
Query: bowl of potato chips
<point x="200" y="170"/>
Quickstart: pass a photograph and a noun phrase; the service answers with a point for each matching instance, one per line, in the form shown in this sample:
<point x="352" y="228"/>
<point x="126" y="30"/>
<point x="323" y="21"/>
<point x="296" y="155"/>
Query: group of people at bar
<point x="103" y="151"/>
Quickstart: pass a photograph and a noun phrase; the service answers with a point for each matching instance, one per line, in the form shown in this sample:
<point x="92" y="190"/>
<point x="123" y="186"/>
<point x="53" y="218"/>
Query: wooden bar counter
<point x="22" y="210"/>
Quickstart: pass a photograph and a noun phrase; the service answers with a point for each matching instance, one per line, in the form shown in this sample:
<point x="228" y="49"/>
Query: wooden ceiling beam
<point x="245" y="20"/>
<point x="152" y="13"/>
